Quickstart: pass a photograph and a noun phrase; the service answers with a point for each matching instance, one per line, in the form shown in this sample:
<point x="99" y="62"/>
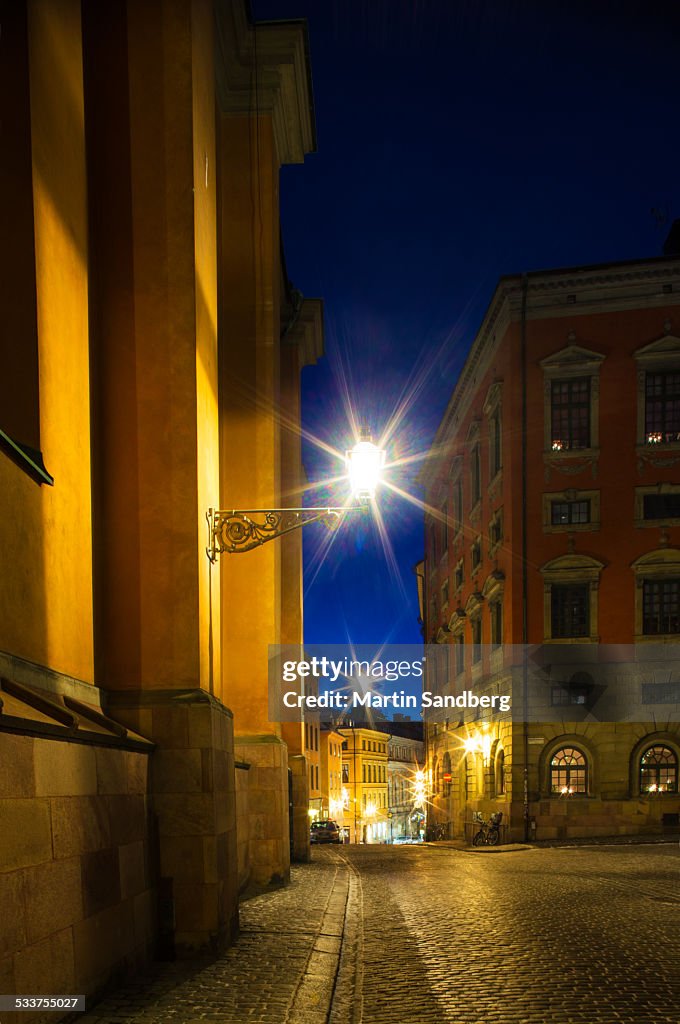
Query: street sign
<point x="447" y="776"/>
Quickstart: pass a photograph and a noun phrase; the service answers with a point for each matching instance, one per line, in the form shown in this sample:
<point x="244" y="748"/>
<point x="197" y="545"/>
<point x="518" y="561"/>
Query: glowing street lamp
<point x="237" y="530"/>
<point x="364" y="463"/>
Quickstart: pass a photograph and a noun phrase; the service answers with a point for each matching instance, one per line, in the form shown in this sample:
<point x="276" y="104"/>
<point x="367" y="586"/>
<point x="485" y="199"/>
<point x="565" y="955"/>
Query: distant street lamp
<point x="236" y="530"/>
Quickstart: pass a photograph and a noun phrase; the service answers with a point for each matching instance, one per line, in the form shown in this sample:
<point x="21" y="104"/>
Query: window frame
<point x="577" y="570"/>
<point x="658" y="745"/>
<point x="493" y="409"/>
<point x="581" y="766"/>
<point x="657" y="489"/>
<point x="568" y="364"/>
<point x="661" y="356"/>
<point x="662" y="564"/>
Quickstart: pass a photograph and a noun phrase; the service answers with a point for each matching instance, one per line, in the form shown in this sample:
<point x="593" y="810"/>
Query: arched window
<point x="499" y="773"/>
<point x="568" y="771"/>
<point x="446" y="765"/>
<point x="659" y="770"/>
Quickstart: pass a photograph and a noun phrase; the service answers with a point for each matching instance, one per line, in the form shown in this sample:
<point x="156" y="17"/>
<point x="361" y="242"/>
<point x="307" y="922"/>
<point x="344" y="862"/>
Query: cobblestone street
<point x="432" y="934"/>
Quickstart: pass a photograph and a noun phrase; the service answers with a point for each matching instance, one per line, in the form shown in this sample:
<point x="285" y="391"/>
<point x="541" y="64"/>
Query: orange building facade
<point x="150" y="370"/>
<point x="553" y="497"/>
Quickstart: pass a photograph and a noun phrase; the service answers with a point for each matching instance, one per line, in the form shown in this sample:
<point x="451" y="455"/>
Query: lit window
<point x="570" y="414"/>
<point x="662" y="407"/>
<point x="660" y="607"/>
<point x="659" y="770"/>
<point x="568" y="771"/>
<point x="499" y="773"/>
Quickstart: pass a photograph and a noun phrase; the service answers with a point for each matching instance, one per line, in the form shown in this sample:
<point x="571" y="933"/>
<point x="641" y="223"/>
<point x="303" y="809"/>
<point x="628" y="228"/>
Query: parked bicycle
<point x="489" y="833"/>
<point x="435" y="833"/>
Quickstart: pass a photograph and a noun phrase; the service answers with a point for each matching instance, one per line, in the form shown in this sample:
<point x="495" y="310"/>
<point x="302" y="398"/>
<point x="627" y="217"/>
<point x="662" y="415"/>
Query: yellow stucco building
<point x="151" y="356"/>
<point x="364" y="785"/>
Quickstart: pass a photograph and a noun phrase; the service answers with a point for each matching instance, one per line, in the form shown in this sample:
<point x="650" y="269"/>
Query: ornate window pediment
<point x="571" y="400"/>
<point x="572" y="567"/>
<point x="473" y="605"/>
<point x="572" y="361"/>
<point x="570" y="598"/>
<point x="494" y="585"/>
<point x="493" y="398"/>
<point x="658" y="389"/>
<point x="659" y="562"/>
<point x="457" y="621"/>
<point x="664" y="350"/>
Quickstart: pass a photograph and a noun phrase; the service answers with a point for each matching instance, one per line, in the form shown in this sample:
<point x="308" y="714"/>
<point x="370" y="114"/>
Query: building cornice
<point x="571" y="291"/>
<point x="264" y="68"/>
<point x="308" y="332"/>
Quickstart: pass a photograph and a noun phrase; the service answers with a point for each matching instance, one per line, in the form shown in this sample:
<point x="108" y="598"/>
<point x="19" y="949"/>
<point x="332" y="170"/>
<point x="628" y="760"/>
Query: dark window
<point x="570" y="610"/>
<point x="659" y="770"/>
<point x="495" y="437"/>
<point x="460" y="655"/>
<point x="458" y="504"/>
<point x="570" y="693"/>
<point x="570" y="414"/>
<point x="476" y="640"/>
<point x="476" y="475"/>
<point x="496" y="610"/>
<point x="345" y="773"/>
<point x="476" y="554"/>
<point x="445" y="592"/>
<point x="567" y="513"/>
<point x="496" y="530"/>
<point x="661" y="506"/>
<point x="660" y="607"/>
<point x="662" y="407"/>
<point x="459" y="575"/>
<point x="568" y="771"/>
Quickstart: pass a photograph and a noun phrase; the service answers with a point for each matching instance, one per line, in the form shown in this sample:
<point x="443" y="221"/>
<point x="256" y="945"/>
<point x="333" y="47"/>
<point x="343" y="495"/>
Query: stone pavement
<point x="432" y="935"/>
<point x="281" y="970"/>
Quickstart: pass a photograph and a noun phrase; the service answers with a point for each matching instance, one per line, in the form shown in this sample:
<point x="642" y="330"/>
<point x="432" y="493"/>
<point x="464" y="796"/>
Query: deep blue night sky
<point x="457" y="141"/>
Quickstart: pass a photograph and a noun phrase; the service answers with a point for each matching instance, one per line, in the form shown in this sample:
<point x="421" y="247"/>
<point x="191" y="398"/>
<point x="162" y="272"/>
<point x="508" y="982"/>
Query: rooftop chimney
<point x="671" y="247"/>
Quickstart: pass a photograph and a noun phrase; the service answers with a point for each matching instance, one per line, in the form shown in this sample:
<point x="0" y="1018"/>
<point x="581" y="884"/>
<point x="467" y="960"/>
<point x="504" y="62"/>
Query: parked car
<point x="405" y="840"/>
<point x="326" y="831"/>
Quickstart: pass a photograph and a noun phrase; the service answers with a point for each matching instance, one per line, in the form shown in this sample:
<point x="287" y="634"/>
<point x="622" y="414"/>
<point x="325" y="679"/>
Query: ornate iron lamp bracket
<point x="239" y="530"/>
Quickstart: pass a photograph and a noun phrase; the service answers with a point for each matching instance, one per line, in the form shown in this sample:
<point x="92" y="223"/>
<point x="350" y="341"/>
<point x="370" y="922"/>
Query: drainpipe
<point x="525" y="571"/>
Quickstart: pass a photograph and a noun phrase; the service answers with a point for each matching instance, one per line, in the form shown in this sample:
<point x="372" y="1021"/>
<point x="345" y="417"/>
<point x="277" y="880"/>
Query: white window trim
<point x="572" y="361"/>
<point x="571" y="494"/>
<point x="663" y="563"/>
<point x="639" y="517"/>
<point x="661" y="355"/>
<point x="456" y="481"/>
<point x="496" y="519"/>
<point x="493" y="404"/>
<point x="571" y="569"/>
